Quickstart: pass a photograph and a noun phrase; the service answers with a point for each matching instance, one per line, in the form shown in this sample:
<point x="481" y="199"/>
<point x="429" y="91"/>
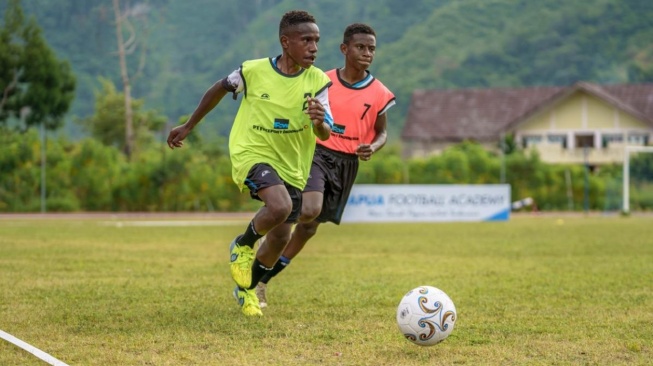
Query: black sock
<point x="258" y="271"/>
<point x="281" y="264"/>
<point x="250" y="237"/>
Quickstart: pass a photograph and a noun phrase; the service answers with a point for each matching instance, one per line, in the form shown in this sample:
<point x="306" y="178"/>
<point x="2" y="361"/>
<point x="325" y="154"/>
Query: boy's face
<point x="359" y="52"/>
<point x="300" y="43"/>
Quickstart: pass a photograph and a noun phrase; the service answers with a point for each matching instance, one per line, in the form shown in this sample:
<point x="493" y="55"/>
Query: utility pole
<point x="44" y="141"/>
<point x="586" y="195"/>
<point x="502" y="148"/>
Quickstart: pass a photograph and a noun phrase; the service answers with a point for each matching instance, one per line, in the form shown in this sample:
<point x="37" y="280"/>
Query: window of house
<point x="638" y="139"/>
<point x="531" y="140"/>
<point x="584" y="141"/>
<point x="560" y="140"/>
<point x="608" y="139"/>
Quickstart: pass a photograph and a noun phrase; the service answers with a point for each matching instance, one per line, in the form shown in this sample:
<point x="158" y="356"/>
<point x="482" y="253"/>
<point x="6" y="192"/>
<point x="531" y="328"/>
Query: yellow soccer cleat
<point x="248" y="302"/>
<point x="241" y="260"/>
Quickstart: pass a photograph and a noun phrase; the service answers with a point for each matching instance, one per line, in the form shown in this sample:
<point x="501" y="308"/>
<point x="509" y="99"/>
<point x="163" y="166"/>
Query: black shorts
<point x="333" y="173"/>
<point x="261" y="176"/>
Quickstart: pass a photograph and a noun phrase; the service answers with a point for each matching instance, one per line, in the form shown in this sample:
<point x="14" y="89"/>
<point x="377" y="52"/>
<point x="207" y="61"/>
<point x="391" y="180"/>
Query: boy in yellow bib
<point x="285" y="106"/>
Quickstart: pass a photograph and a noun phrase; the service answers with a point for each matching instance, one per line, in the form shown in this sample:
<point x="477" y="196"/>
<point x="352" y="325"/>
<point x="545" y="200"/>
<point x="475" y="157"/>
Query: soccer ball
<point x="426" y="315"/>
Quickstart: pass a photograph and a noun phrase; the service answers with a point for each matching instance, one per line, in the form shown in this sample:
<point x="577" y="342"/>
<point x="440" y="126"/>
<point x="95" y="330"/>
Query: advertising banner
<point x="423" y="203"/>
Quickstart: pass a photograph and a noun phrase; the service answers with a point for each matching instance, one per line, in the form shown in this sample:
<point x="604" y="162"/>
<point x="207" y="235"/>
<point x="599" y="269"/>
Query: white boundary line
<point x="31" y="349"/>
<point x="171" y="223"/>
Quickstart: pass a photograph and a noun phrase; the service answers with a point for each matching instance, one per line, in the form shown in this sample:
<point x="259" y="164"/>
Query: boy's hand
<point x="315" y="111"/>
<point x="364" y="151"/>
<point x="176" y="136"/>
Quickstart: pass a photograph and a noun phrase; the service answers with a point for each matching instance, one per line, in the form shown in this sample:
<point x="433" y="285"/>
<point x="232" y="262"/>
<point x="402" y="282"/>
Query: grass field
<point x="530" y="291"/>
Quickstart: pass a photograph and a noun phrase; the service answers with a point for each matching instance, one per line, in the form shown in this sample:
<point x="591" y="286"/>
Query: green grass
<point x="531" y="291"/>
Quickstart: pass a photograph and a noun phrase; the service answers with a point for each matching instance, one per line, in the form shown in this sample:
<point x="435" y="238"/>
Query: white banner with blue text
<point x="423" y="203"/>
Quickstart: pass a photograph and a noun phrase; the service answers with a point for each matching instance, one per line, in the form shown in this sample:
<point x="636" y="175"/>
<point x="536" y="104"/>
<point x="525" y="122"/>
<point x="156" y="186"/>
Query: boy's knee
<point x="280" y="212"/>
<point x="310" y="212"/>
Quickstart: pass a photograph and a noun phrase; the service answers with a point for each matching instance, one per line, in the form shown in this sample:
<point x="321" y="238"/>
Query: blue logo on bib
<point x="281" y="124"/>
<point x="340" y="129"/>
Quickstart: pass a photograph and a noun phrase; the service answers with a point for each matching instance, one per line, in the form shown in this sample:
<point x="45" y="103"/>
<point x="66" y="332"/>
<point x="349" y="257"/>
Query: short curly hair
<point x="293" y="18"/>
<point x="356" y="28"/>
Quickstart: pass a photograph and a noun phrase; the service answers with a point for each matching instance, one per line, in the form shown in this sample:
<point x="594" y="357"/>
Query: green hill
<point x="184" y="46"/>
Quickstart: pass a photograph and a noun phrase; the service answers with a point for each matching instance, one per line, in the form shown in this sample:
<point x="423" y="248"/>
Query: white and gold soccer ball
<point x="426" y="315"/>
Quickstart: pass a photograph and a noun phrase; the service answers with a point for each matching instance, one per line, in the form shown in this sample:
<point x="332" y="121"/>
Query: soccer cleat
<point x="248" y="302"/>
<point x="241" y="260"/>
<point x="260" y="294"/>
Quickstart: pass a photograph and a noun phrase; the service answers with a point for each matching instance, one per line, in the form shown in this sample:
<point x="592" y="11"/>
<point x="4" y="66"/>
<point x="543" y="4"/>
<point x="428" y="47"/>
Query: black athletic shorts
<point x="332" y="173"/>
<point x="261" y="176"/>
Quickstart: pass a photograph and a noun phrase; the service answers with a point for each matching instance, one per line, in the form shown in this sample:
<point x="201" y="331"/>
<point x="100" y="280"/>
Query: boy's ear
<point x="284" y="41"/>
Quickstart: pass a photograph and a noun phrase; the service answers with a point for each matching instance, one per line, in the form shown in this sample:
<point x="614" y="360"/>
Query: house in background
<point x="580" y="123"/>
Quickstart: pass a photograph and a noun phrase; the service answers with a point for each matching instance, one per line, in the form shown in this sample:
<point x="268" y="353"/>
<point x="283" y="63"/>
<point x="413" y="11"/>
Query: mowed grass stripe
<point x="533" y="290"/>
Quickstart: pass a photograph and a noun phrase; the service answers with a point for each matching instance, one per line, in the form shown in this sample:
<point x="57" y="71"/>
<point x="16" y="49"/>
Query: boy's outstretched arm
<point x="211" y="98"/>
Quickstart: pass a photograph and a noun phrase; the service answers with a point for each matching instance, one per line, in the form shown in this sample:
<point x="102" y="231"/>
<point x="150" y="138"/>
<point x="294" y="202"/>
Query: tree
<point x="126" y="47"/>
<point x="107" y="124"/>
<point x="36" y="88"/>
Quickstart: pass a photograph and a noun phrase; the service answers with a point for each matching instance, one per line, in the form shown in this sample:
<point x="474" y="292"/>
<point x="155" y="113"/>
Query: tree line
<point x="88" y="175"/>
